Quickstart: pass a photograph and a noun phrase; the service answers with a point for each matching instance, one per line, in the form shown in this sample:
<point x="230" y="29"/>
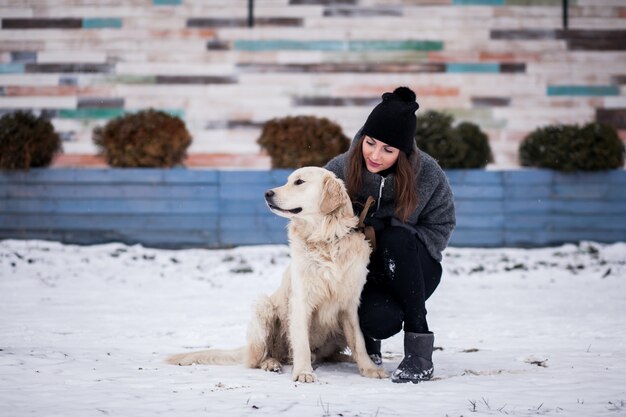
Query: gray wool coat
<point x="434" y="218"/>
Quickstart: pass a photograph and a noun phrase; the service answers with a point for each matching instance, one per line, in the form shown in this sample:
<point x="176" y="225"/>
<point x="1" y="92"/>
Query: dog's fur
<point x="312" y="316"/>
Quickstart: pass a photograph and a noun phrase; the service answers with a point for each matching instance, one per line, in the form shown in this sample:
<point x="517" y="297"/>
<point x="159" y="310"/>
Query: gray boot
<point x="417" y="364"/>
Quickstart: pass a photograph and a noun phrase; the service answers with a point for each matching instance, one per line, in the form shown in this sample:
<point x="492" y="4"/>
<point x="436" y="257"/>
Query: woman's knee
<point x="396" y="238"/>
<point x="381" y="323"/>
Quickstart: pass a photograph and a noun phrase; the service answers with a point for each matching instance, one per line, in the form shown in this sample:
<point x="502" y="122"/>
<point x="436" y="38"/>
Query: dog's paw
<point x="181" y="359"/>
<point x="304" y="377"/>
<point x="376" y="372"/>
<point x="271" y="365"/>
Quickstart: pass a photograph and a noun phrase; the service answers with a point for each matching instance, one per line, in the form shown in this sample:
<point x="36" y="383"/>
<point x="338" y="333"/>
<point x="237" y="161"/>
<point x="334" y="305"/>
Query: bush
<point x="463" y="146"/>
<point x="570" y="148"/>
<point x="27" y="141"/>
<point x="148" y="138"/>
<point x="294" y="142"/>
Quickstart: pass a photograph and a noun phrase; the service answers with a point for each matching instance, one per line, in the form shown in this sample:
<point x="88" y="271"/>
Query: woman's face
<point x="378" y="155"/>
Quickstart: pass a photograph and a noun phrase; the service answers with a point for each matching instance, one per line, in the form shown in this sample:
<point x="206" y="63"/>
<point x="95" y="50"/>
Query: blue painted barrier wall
<point x="209" y="208"/>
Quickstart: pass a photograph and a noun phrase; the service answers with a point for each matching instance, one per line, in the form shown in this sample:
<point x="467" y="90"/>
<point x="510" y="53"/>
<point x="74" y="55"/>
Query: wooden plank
<point x="237" y="237"/>
<point x="576" y="235"/>
<point x="474" y="221"/>
<point x="251" y="192"/>
<point x="528" y="176"/>
<point x="525" y="192"/>
<point x="478" y="206"/>
<point x="477" y="237"/>
<point x="473" y="176"/>
<point x="109" y="176"/>
<point x="254" y="223"/>
<point x="589" y="207"/>
<point x="108" y="206"/>
<point x="87" y="191"/>
<point x="530" y="205"/>
<point x="616" y="176"/>
<point x="489" y="192"/>
<point x="565" y="221"/>
<point x="109" y="222"/>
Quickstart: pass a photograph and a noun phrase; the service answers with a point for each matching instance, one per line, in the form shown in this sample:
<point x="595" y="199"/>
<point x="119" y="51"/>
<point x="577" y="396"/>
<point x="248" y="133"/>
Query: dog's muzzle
<point x="269" y="200"/>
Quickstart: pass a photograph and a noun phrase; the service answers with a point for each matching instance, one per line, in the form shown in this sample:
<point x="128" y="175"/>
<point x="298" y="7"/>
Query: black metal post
<point x="250" y="13"/>
<point x="565" y="11"/>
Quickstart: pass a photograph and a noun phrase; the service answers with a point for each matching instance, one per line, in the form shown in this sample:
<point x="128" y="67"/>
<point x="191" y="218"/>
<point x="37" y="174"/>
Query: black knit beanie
<point x="393" y="120"/>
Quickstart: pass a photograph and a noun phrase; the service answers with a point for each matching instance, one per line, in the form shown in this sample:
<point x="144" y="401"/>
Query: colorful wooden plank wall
<point x="507" y="65"/>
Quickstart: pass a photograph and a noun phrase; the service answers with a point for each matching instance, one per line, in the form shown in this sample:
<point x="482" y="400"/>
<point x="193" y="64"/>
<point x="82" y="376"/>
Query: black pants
<point x="402" y="277"/>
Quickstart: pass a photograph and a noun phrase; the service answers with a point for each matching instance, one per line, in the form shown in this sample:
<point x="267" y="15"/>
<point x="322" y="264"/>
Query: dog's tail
<point x="208" y="357"/>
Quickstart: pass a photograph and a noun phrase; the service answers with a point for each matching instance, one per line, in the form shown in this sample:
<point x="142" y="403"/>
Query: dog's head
<point x="310" y="191"/>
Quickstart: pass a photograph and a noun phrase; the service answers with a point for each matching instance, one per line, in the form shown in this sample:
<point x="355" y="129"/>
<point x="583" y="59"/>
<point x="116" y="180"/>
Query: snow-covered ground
<point x="84" y="331"/>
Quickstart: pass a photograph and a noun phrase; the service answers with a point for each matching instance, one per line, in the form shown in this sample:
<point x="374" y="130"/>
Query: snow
<point x="84" y="331"/>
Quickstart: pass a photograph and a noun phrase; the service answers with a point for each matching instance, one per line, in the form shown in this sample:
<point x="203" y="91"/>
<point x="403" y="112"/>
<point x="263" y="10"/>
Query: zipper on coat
<point x="380" y="192"/>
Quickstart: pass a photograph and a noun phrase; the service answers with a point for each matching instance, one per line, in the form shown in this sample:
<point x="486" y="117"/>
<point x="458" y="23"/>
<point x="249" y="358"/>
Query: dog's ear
<point x="333" y="195"/>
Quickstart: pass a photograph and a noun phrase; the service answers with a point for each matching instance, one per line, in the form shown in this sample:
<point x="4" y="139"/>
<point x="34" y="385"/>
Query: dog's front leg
<point x="299" y="336"/>
<point x="356" y="343"/>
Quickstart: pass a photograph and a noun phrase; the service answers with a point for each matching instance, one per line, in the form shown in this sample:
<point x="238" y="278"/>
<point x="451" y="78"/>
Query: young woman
<point x="413" y="216"/>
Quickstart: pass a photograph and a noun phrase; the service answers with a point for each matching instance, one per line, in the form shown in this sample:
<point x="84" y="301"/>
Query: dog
<point x="313" y="316"/>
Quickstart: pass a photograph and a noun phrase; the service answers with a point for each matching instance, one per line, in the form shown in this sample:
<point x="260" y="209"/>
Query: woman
<point x="413" y="217"/>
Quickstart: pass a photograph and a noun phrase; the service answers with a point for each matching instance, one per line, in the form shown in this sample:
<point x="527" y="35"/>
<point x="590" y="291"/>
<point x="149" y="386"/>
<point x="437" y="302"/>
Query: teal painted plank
<point x="107" y="113"/>
<point x="478" y="2"/>
<point x="167" y="2"/>
<point x="165" y="205"/>
<point x="583" y="90"/>
<point x="102" y="23"/>
<point x="12" y="68"/>
<point x="86" y="191"/>
<point x="483" y="67"/>
<point x="87" y="113"/>
<point x="337" y="45"/>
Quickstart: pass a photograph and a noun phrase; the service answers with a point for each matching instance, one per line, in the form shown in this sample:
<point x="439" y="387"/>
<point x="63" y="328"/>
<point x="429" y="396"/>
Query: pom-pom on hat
<point x="393" y="120"/>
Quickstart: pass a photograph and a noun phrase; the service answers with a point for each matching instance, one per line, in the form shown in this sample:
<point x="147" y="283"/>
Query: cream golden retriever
<point x="312" y="317"/>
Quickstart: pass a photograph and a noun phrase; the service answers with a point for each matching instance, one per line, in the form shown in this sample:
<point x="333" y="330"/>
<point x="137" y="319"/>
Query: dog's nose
<point x="269" y="194"/>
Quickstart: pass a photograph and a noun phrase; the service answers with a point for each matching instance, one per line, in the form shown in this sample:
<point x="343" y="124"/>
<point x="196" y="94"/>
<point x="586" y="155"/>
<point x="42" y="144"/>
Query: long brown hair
<point x="405" y="190"/>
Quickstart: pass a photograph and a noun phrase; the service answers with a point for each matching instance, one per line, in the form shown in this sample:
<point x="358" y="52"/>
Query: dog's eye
<point x="298" y="182"/>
